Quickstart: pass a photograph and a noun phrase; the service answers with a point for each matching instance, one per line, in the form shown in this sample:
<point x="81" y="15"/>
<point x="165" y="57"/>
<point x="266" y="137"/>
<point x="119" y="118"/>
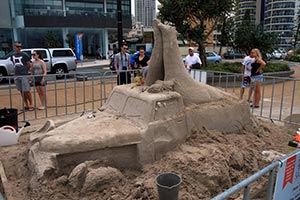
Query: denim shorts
<point x="22" y="84"/>
<point x="258" y="78"/>
<point x="246" y="81"/>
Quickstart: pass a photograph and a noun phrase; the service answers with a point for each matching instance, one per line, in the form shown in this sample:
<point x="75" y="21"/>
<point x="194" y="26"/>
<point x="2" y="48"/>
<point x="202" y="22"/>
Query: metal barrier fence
<point x="84" y="92"/>
<point x="280" y="100"/>
<point x="72" y="93"/>
<point x="245" y="184"/>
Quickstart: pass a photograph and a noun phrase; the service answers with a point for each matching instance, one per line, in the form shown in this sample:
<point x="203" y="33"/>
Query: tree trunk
<point x="220" y="50"/>
<point x="201" y="49"/>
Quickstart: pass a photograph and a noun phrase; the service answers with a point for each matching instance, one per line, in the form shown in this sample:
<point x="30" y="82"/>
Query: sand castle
<point x="138" y="124"/>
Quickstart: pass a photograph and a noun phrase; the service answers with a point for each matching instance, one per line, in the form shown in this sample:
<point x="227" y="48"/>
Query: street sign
<point x="288" y="179"/>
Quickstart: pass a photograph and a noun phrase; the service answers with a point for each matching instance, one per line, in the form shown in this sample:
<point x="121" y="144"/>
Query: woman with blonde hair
<point x="256" y="75"/>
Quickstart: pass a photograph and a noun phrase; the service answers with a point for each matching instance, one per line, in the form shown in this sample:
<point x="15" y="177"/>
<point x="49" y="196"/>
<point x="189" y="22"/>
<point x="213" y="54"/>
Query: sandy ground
<point x="208" y="162"/>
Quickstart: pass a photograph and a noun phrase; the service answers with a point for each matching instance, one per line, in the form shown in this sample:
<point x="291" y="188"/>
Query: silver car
<point x="58" y="61"/>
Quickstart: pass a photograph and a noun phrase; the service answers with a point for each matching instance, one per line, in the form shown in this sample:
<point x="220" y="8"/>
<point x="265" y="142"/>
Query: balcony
<point x="278" y="1"/>
<point x="247" y="1"/>
<point x="44" y="17"/>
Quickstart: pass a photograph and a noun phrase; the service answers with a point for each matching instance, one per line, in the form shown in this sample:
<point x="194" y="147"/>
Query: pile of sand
<point x="209" y="162"/>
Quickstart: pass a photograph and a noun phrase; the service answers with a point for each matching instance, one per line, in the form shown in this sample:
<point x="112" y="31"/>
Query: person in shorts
<point x="257" y="75"/>
<point x="38" y="72"/>
<point x="246" y="71"/>
<point x="21" y="62"/>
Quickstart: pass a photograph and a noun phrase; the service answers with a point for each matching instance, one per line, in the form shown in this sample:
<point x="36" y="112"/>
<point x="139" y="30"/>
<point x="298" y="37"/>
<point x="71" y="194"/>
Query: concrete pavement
<point x="93" y="63"/>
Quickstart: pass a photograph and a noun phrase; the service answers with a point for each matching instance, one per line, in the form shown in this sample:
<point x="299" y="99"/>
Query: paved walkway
<point x="92" y="63"/>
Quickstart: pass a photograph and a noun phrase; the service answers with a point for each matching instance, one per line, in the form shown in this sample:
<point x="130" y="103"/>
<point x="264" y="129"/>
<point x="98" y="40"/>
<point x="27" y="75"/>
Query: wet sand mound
<point x="209" y="162"/>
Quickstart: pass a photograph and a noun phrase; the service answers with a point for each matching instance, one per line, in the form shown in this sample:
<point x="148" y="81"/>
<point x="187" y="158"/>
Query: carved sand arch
<point x="166" y="65"/>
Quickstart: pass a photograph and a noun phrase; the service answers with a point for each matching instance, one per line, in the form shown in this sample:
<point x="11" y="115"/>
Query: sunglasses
<point x="33" y="54"/>
<point x="18" y="46"/>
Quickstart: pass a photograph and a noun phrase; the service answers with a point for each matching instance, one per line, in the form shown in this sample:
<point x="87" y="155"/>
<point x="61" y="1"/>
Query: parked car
<point x="58" y="61"/>
<point x="277" y="54"/>
<point x="290" y="52"/>
<point x="211" y="57"/>
<point x="233" y="55"/>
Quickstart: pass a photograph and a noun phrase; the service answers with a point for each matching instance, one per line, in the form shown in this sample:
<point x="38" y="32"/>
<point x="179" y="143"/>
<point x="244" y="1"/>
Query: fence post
<point x="270" y="185"/>
<point x="246" y="193"/>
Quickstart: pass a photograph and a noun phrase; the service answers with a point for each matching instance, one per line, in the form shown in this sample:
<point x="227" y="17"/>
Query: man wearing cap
<point x="192" y="59"/>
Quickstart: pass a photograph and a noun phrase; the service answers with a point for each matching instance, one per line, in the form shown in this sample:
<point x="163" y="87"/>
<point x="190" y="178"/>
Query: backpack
<point x="112" y="64"/>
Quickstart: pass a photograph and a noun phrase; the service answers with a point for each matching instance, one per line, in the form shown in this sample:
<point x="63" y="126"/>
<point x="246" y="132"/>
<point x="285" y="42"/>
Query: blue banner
<point x="78" y="46"/>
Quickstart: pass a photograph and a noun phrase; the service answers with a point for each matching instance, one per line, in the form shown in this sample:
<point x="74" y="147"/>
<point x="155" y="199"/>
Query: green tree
<point x="248" y="36"/>
<point x="195" y="20"/>
<point x="71" y="41"/>
<point x="296" y="35"/>
<point x="52" y="40"/>
<point x="226" y="28"/>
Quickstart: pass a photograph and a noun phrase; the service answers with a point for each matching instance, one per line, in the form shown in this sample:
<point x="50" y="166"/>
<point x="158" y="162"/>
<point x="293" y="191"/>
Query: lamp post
<point x="120" y="23"/>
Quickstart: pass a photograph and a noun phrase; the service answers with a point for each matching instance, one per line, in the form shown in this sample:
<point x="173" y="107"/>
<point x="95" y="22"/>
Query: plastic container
<point x="293" y="145"/>
<point x="168" y="186"/>
<point x="9" y="117"/>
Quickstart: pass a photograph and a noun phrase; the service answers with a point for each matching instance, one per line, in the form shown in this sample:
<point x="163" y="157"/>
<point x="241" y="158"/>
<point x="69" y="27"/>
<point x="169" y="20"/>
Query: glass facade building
<point x="280" y="17"/>
<point x="145" y="11"/>
<point x="243" y="6"/>
<point x="33" y="21"/>
<point x="277" y="16"/>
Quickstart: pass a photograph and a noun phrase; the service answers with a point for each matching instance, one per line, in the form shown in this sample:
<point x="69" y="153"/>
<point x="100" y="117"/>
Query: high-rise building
<point x="243" y="6"/>
<point x="30" y="21"/>
<point x="276" y="16"/>
<point x="281" y="17"/>
<point x="145" y="11"/>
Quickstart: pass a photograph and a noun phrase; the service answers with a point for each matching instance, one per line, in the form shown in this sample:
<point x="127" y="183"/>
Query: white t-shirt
<point x="247" y="63"/>
<point x="191" y="60"/>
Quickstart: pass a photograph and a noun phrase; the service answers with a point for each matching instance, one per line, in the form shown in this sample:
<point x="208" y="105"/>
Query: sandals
<point x="41" y="108"/>
<point x="27" y="108"/>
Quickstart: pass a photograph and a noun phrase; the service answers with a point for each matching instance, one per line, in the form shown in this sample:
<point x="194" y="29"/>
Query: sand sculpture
<point x="167" y="65"/>
<point x="138" y="124"/>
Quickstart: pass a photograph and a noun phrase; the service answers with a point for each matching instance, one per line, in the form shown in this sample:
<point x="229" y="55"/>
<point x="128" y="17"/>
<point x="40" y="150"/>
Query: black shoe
<point x="254" y="106"/>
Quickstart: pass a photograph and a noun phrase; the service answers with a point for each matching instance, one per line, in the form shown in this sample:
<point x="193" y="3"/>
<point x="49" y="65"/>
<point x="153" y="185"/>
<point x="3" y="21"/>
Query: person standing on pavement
<point x="256" y="75"/>
<point x="39" y="71"/>
<point x="192" y="60"/>
<point x="122" y="65"/>
<point x="21" y="62"/>
<point x="246" y="71"/>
